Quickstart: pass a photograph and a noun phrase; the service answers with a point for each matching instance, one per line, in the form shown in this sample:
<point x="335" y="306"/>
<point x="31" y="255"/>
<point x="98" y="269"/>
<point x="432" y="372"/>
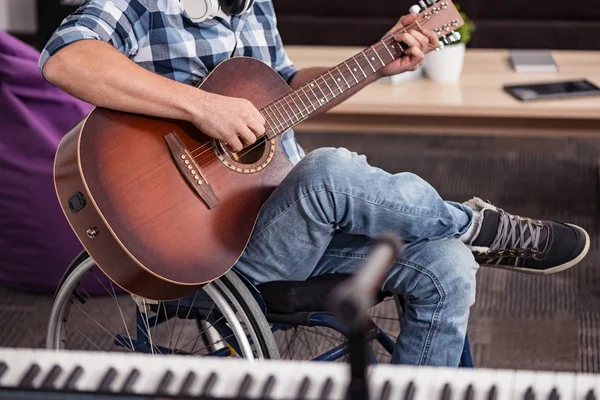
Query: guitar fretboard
<point x="298" y="105"/>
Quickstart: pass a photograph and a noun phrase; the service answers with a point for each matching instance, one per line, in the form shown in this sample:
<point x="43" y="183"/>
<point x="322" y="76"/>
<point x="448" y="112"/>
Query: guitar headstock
<point x="440" y="16"/>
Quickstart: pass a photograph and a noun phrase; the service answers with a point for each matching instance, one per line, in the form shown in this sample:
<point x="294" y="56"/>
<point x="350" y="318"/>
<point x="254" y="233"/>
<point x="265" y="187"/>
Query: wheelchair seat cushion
<point x="311" y="295"/>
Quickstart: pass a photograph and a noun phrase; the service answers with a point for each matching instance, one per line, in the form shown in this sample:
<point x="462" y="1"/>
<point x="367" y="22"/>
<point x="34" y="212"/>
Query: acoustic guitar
<point x="164" y="209"/>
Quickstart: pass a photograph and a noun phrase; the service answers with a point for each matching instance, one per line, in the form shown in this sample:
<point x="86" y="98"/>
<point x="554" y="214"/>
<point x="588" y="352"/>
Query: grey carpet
<point x="519" y="321"/>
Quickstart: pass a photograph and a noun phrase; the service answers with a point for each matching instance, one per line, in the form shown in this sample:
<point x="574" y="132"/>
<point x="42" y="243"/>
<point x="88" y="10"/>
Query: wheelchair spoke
<point x="186" y="317"/>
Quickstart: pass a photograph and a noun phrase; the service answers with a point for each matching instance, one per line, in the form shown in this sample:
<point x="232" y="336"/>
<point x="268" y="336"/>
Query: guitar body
<point x="143" y="221"/>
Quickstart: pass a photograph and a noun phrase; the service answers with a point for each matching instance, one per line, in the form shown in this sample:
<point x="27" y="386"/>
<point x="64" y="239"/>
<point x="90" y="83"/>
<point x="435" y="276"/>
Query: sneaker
<point x="525" y="245"/>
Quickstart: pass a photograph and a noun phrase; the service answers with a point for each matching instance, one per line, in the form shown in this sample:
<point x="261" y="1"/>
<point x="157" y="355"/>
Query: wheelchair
<point x="229" y="317"/>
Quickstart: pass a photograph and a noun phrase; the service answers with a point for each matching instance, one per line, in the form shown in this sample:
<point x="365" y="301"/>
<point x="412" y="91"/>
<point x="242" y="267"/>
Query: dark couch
<point x="500" y="23"/>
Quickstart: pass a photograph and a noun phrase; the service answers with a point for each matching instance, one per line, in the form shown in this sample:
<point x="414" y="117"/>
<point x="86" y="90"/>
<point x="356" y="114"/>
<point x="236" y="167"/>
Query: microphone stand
<point x="350" y="302"/>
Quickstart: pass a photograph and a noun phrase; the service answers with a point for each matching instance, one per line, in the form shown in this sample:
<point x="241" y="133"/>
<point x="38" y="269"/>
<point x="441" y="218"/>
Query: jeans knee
<point x="329" y="163"/>
<point x="459" y="282"/>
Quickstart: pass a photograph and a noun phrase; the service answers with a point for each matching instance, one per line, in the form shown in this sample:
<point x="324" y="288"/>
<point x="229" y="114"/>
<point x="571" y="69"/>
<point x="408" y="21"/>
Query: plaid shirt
<point x="159" y="36"/>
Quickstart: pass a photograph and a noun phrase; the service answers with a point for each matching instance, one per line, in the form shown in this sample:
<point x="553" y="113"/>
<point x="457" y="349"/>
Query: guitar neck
<point x="333" y="86"/>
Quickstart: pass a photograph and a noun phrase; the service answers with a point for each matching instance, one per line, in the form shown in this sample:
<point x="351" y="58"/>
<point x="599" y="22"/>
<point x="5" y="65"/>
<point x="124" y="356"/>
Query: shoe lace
<point x="516" y="233"/>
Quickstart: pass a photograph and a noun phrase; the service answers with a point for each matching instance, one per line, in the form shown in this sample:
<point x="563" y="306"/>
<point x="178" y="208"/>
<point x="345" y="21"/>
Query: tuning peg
<point x="430" y="2"/>
<point x="455" y="36"/>
<point x="441" y="46"/>
<point x="422" y="4"/>
<point x="414" y="9"/>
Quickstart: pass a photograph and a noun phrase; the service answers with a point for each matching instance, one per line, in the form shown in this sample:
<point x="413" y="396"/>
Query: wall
<point x="18" y="16"/>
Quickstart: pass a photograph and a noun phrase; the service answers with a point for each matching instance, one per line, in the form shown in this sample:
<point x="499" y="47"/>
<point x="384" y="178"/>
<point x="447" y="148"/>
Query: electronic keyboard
<point x="47" y="374"/>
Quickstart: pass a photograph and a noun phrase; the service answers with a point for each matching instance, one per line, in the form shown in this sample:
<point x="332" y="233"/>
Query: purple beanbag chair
<point x="36" y="242"/>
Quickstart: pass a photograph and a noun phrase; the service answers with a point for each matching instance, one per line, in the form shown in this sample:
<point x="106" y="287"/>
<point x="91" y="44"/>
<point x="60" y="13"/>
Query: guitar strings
<point x="288" y="123"/>
<point x="209" y="146"/>
<point x="387" y="36"/>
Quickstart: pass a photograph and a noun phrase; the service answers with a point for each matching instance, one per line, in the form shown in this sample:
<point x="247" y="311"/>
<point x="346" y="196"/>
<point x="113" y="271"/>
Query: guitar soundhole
<point x="251" y="154"/>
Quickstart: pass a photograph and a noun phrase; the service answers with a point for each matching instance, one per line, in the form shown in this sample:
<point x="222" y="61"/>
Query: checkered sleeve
<point x="117" y="22"/>
<point x="282" y="63"/>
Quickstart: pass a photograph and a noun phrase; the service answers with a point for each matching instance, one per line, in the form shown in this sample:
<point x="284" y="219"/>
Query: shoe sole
<point x="553" y="270"/>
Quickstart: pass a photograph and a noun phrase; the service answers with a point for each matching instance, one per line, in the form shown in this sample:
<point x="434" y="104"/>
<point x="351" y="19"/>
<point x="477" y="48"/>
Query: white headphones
<point x="201" y="10"/>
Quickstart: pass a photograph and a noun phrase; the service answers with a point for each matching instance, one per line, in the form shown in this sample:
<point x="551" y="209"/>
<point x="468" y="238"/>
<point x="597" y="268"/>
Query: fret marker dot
<point x="339" y="79"/>
<point x="373" y="58"/>
<point x="354" y="69"/>
<point x="312" y="84"/>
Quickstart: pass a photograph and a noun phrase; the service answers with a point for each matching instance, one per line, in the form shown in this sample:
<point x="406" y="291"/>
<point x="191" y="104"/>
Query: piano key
<point x="187" y="384"/>
<point x="107" y="380"/>
<point x="326" y="390"/>
<point x="50" y="379"/>
<point x="554" y="395"/>
<point x="244" y="386"/>
<point x="3" y="368"/>
<point x="165" y="382"/>
<point x="590" y="395"/>
<point x="209" y="384"/>
<point x="29" y="376"/>
<point x="493" y="393"/>
<point x="267" y="388"/>
<point x="385" y="391"/>
<point x="529" y="395"/>
<point x="133" y="376"/>
<point x="410" y="391"/>
<point x="446" y="392"/>
<point x="73" y="378"/>
<point x="469" y="393"/>
<point x="304" y="386"/>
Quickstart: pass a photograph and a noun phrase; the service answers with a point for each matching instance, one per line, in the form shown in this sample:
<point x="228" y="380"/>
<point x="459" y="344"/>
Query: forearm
<point x="97" y="73"/>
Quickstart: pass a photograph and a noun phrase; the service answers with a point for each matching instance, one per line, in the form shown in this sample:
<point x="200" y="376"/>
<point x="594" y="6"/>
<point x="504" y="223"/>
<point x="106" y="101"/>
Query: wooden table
<point x="475" y="105"/>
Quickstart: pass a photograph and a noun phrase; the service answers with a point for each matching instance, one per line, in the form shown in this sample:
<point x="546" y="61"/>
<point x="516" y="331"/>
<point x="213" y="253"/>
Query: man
<point x="144" y="57"/>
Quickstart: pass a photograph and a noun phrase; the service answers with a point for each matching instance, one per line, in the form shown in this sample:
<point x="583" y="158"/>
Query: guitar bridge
<point x="191" y="171"/>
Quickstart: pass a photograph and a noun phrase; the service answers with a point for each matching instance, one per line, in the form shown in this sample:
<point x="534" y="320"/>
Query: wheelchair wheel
<point x="221" y="319"/>
<point x="320" y="337"/>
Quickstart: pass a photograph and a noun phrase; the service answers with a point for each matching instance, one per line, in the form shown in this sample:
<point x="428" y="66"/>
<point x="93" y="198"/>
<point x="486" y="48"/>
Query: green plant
<point x="467" y="29"/>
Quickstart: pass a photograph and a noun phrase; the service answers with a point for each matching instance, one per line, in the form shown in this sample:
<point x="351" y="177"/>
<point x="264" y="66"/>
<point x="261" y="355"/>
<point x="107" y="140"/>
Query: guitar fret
<point x="367" y="58"/>
<point x="302" y="101"/>
<point x="277" y="118"/>
<point x="291" y="119"/>
<point x="336" y="82"/>
<point x="308" y="98"/>
<point x="343" y="77"/>
<point x="326" y="84"/>
<point x="357" y="63"/>
<point x="388" y="50"/>
<point x="297" y="106"/>
<point x="351" y="71"/>
<point x="378" y="56"/>
<point x="267" y="118"/>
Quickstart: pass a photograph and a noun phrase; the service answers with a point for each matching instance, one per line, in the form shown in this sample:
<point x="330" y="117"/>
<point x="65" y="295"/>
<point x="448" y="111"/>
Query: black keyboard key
<point x="244" y="386"/>
<point x="268" y="388"/>
<point x="107" y="380"/>
<point x="411" y="389"/>
<point x="3" y="368"/>
<point x="130" y="381"/>
<point x="210" y="383"/>
<point x="470" y="393"/>
<point x="554" y="395"/>
<point x="304" y="385"/>
<point x="386" y="390"/>
<point x="189" y="380"/>
<point x="29" y="376"/>
<point x="446" y="392"/>
<point x="493" y="393"/>
<point x="165" y="382"/>
<point x="529" y="395"/>
<point x="590" y="395"/>
<point x="50" y="379"/>
<point x="326" y="390"/>
<point x="73" y="378"/>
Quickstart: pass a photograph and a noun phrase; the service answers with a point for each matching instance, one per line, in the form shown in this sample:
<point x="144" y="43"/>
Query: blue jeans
<point x="321" y="219"/>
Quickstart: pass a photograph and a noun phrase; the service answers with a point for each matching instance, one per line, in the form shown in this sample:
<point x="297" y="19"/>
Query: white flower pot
<point x="445" y="65"/>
